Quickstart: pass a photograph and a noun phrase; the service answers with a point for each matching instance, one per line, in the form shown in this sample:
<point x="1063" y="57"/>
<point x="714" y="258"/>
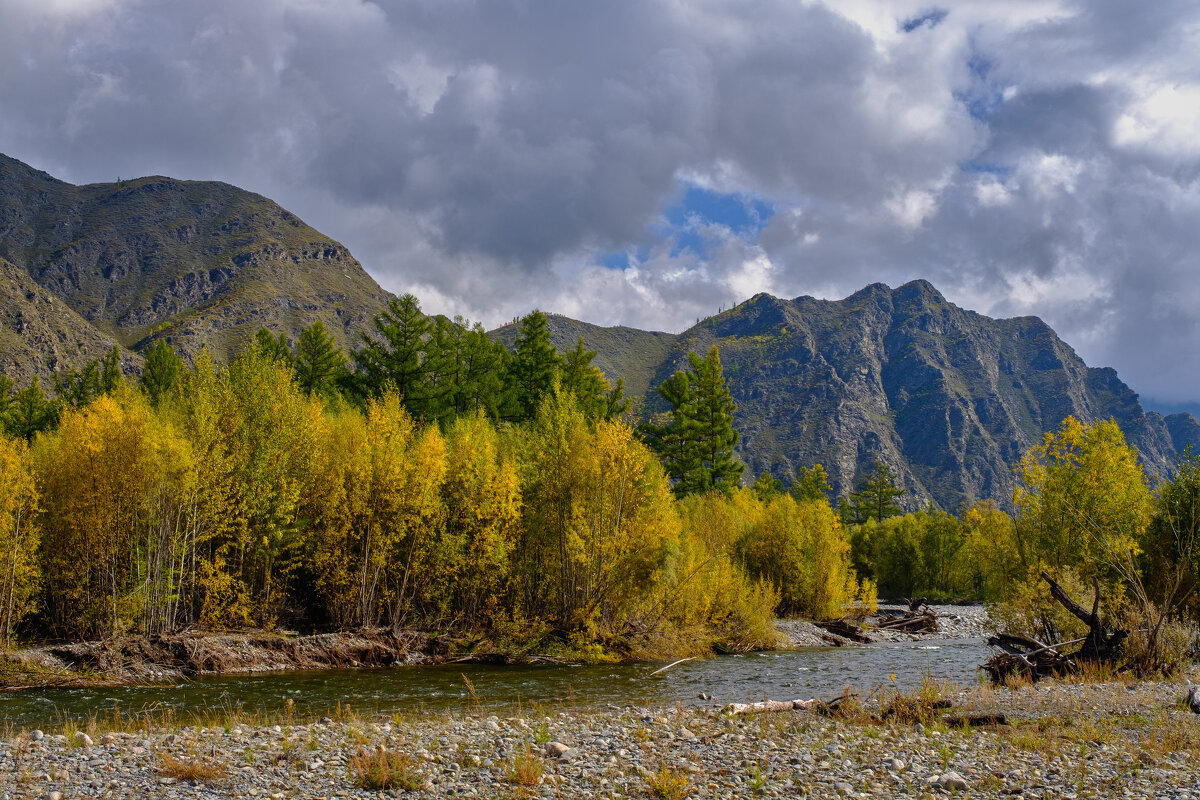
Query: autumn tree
<point x="810" y="483"/>
<point x="19" y="536"/>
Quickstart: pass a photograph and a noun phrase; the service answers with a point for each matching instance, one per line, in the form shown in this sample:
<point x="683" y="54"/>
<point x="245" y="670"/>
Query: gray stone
<point x="952" y="780"/>
<point x="555" y="749"/>
<point x="36" y="735"/>
<point x="1193" y="699"/>
<point x="83" y="739"/>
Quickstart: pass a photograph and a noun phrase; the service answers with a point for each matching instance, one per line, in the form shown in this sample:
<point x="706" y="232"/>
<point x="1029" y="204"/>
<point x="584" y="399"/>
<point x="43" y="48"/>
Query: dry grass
<point x="192" y="770"/>
<point x="383" y="770"/>
<point x="526" y="769"/>
<point x="921" y="705"/>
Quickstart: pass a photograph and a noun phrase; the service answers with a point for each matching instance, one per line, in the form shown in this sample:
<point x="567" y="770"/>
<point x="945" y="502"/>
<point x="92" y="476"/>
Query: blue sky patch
<point x="686" y="222"/>
<point x="930" y="19"/>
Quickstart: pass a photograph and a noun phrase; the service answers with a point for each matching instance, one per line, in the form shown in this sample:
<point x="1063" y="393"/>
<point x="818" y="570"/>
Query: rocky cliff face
<point x="201" y="264"/>
<point x="948" y="398"/>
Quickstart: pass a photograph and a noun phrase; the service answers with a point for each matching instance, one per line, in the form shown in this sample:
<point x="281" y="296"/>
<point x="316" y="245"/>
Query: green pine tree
<point x="161" y="371"/>
<point x="395" y="355"/>
<point x="874" y="497"/>
<point x="275" y="348"/>
<point x="319" y="362"/>
<point x="30" y="412"/>
<point x="535" y="367"/>
<point x="696" y="445"/>
<point x="596" y="396"/>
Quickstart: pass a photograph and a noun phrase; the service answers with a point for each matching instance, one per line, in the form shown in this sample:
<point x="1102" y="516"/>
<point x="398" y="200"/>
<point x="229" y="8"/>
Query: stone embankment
<point x="1062" y="741"/>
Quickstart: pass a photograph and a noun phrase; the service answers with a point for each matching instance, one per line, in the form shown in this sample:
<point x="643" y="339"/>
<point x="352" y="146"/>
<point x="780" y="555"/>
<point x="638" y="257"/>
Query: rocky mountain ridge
<point x="948" y="398"/>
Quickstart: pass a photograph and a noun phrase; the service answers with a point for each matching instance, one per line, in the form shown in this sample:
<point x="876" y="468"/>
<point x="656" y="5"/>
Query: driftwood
<point x="975" y="720"/>
<point x="918" y="619"/>
<point x="767" y="707"/>
<point x="1033" y="660"/>
<point x="845" y="629"/>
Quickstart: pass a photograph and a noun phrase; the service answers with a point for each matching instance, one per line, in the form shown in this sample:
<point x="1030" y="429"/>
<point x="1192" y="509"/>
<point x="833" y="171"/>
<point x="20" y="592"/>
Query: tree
<point x="273" y="348"/>
<point x="1082" y="502"/>
<point x="696" y="446"/>
<point x="596" y="396"/>
<point x="318" y="361"/>
<point x="30" y="412"/>
<point x="767" y="486"/>
<point x="535" y="369"/>
<point x="875" y="496"/>
<point x="811" y="483"/>
<point x="163" y="368"/>
<point x="395" y="354"/>
<point x="19" y="530"/>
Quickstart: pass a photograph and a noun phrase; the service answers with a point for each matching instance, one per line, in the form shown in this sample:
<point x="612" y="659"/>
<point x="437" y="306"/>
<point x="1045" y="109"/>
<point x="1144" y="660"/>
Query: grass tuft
<point x="192" y="770"/>
<point x="383" y="770"/>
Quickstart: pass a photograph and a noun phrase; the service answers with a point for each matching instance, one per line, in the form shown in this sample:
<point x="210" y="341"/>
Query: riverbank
<point x="148" y="659"/>
<point x="1062" y="740"/>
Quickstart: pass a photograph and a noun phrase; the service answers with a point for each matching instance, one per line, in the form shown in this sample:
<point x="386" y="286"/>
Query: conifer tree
<point x="318" y="362"/>
<point x="596" y="396"/>
<point x="274" y="348"/>
<point x="875" y="496"/>
<point x="395" y="354"/>
<point x="536" y="366"/>
<point x="696" y="446"/>
<point x="30" y="412"/>
<point x="6" y="387"/>
<point x="162" y="370"/>
<point x="811" y="483"/>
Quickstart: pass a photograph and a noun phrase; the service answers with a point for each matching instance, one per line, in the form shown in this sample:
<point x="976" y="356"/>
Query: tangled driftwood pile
<point x="918" y="619"/>
<point x="1030" y="659"/>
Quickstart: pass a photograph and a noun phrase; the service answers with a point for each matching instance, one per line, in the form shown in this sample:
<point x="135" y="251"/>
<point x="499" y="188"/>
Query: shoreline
<point x="133" y="660"/>
<point x="1061" y="740"/>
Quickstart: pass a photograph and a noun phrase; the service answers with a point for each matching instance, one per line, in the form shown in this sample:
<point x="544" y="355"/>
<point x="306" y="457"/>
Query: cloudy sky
<point x="648" y="163"/>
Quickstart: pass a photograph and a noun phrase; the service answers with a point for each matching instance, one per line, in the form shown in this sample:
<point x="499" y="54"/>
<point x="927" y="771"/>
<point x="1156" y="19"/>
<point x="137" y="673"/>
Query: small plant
<point x="668" y="784"/>
<point x="526" y="769"/>
<point x="192" y="770"/>
<point x="541" y="734"/>
<point x="381" y="770"/>
<point x="757" y="781"/>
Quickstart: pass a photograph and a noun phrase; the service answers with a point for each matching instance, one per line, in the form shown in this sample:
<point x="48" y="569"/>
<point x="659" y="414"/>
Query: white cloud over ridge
<point x="1030" y="157"/>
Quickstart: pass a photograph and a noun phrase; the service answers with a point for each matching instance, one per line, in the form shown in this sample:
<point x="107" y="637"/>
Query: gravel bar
<point x="1112" y="740"/>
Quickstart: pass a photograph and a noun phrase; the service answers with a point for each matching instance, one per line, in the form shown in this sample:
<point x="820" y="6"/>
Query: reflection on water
<point x="779" y="676"/>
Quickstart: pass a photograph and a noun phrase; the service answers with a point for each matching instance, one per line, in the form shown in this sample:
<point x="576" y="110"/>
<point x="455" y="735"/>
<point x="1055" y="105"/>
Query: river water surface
<point x="787" y="675"/>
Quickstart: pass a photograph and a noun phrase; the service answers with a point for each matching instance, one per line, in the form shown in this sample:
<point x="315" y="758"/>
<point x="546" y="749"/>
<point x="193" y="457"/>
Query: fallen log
<point x="1028" y="658"/>
<point x="975" y="720"/>
<point x="767" y="707"/>
<point x="847" y="630"/>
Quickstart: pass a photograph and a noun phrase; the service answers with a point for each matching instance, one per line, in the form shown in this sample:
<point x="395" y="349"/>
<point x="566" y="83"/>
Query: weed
<point x="192" y="770"/>
<point x="525" y="770"/>
<point x="381" y="770"/>
<point x="668" y="784"/>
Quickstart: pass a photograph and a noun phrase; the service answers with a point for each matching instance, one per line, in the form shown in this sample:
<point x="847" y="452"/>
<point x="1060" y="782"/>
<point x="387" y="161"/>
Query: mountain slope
<point x="950" y="399"/>
<point x="202" y="264"/>
<point x="39" y="334"/>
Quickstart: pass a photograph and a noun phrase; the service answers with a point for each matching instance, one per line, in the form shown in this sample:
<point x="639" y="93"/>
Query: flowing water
<point x="511" y="689"/>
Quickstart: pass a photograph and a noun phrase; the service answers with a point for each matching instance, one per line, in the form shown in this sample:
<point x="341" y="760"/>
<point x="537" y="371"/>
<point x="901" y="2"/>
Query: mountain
<point x="40" y="334"/>
<point x="948" y="398"/>
<point x="201" y="264"/>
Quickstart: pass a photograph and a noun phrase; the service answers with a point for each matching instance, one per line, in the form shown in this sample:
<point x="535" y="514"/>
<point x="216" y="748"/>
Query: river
<point x="511" y="689"/>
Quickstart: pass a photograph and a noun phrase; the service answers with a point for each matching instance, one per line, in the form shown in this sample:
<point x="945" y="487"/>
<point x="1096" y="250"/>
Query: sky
<point x="649" y="162"/>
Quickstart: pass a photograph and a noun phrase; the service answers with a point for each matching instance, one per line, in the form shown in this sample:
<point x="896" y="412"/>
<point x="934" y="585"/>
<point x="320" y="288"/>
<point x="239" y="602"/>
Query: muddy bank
<point x="133" y="659"/>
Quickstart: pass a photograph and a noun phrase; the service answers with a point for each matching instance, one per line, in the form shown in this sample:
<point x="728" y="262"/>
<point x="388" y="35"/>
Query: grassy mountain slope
<point x="39" y="334"/>
<point x="199" y="263"/>
<point x="628" y="353"/>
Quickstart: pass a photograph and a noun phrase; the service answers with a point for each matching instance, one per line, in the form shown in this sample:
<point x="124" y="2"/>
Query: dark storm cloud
<point x="1027" y="157"/>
